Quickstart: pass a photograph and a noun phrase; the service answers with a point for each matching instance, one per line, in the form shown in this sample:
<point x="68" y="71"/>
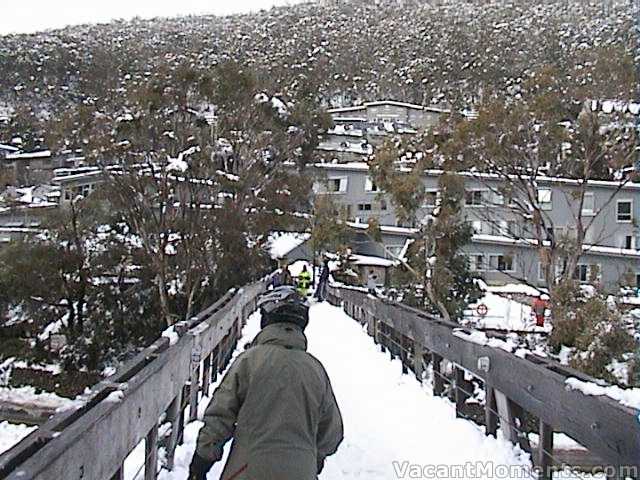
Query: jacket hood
<point x="286" y="335"/>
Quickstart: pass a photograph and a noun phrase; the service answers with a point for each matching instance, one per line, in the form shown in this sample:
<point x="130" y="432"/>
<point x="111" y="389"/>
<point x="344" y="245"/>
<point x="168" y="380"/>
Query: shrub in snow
<point x="598" y="334"/>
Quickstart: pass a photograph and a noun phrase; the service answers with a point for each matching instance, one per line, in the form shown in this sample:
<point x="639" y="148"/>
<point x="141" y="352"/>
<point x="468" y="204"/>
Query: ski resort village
<point x="327" y="240"/>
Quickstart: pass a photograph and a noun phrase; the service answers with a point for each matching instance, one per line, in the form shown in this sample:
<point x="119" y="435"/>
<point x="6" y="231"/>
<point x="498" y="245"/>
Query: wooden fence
<point x="513" y="385"/>
<point x="93" y="440"/>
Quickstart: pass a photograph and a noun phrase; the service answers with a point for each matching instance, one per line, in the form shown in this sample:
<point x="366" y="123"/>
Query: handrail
<point x="607" y="428"/>
<point x="92" y="440"/>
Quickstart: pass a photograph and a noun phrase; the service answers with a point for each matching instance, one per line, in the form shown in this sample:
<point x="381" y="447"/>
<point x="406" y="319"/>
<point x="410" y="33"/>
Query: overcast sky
<point x="26" y="16"/>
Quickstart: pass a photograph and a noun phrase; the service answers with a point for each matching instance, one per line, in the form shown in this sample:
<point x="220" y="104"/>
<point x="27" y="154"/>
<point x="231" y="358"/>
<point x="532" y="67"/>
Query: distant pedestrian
<point x="276" y="402"/>
<point x="539" y="307"/>
<point x="287" y="279"/>
<point x="323" y="282"/>
<point x="304" y="282"/>
<point x="372" y="283"/>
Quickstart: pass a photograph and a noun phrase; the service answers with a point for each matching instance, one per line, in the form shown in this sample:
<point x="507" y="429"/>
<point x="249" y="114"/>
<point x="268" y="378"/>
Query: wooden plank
<point x="460" y="395"/>
<point x="151" y="454"/>
<point x="545" y="452"/>
<point x="206" y="375"/>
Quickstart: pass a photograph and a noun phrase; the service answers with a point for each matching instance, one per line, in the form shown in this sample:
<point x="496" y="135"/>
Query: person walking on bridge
<point x="276" y="402"/>
<point x="321" y="291"/>
<point x="304" y="282"/>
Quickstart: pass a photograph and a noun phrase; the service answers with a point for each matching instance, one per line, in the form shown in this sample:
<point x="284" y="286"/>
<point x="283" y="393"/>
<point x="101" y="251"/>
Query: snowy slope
<point x="388" y="417"/>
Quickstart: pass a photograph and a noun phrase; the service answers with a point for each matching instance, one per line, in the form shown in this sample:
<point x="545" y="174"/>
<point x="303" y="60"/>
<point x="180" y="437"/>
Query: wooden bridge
<point x="166" y="381"/>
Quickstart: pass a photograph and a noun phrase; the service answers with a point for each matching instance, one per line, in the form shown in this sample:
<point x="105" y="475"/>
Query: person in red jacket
<point x="539" y="307"/>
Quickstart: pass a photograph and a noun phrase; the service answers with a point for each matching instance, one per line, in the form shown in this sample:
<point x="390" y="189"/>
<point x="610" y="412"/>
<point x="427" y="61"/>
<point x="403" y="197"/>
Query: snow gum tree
<point x="435" y="259"/>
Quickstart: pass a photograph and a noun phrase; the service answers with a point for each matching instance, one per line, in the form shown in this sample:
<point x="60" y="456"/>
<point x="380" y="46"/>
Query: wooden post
<point x="438" y="381"/>
<point x="214" y="364"/>
<point x="173" y="415"/>
<point x="403" y="355"/>
<point x="151" y="454"/>
<point x="183" y="398"/>
<point x="418" y="365"/>
<point x="206" y="375"/>
<point x="195" y="386"/>
<point x="460" y="395"/>
<point x="545" y="451"/>
<point x="507" y="417"/>
<point x="490" y="409"/>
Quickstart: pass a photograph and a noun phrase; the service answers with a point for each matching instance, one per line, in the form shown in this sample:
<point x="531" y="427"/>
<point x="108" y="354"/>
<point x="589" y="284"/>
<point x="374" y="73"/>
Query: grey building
<point x="502" y="250"/>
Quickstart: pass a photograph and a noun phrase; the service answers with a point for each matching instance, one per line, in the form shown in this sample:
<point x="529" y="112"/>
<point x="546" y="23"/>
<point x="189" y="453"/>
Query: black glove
<point x="199" y="468"/>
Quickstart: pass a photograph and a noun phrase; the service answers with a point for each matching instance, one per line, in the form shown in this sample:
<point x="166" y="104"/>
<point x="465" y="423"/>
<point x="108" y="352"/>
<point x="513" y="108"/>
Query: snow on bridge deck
<point x="388" y="417"/>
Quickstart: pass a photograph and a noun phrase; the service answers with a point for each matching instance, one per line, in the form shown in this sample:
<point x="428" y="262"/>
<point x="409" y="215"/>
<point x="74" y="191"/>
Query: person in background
<point x="287" y="279"/>
<point x="540" y="305"/>
<point x="276" y="402"/>
<point x="323" y="282"/>
<point x="372" y="282"/>
<point x="304" y="281"/>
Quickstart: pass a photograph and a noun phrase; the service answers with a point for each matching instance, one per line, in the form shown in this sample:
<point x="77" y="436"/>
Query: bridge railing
<point x="513" y="384"/>
<point x="92" y="440"/>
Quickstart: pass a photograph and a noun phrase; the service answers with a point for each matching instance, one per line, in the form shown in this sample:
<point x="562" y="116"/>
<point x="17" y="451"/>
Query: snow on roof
<point x="363" y="166"/>
<point x="380" y="103"/>
<point x="282" y="243"/>
<point x="513" y="289"/>
<point x="386" y="229"/>
<point x="530" y="242"/>
<point x="371" y="261"/>
<point x="9" y="148"/>
<point x="29" y="155"/>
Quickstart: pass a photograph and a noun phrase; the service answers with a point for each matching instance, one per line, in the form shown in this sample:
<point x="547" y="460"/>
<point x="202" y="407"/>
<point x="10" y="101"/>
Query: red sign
<point x="482" y="310"/>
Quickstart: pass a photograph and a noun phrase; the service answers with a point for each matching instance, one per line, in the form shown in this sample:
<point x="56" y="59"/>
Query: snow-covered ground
<point x="504" y="313"/>
<point x="392" y="422"/>
<point x="10" y="434"/>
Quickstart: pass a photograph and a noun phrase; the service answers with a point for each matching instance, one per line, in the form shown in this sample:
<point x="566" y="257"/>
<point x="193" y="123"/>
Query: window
<point x="501" y="263"/>
<point x="628" y="242"/>
<point x="624" y="208"/>
<point x="589" y="204"/>
<point x="476" y="262"/>
<point x="364" y="207"/>
<point x="540" y="272"/>
<point x="545" y="196"/>
<point x="475" y="198"/>
<point x="394" y="251"/>
<point x="431" y="198"/>
<point x="370" y="186"/>
<point x="337" y="185"/>
<point x="383" y="205"/>
<point x="587" y="273"/>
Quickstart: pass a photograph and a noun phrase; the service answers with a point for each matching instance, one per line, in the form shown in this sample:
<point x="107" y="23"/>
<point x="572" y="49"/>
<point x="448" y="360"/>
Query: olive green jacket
<point x="277" y="403"/>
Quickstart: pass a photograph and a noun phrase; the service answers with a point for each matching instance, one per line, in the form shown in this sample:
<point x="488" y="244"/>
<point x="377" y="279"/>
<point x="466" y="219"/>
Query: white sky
<point x="26" y="16"/>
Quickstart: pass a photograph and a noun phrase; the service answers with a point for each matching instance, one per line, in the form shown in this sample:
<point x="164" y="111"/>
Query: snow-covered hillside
<point x="345" y="51"/>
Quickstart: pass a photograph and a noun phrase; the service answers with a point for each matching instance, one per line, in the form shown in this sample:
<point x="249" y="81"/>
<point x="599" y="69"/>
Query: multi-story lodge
<point x="502" y="249"/>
